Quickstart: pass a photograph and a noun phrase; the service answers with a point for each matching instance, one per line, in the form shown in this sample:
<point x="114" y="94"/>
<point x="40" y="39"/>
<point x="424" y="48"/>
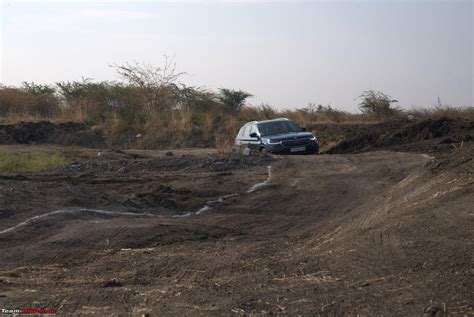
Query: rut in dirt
<point x="73" y="213"/>
<point x="376" y="233"/>
<point x="81" y="212"/>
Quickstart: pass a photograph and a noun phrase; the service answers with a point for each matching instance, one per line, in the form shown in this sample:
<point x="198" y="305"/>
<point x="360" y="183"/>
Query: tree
<point x="37" y="89"/>
<point x="40" y="100"/>
<point x="75" y="89"/>
<point x="149" y="76"/>
<point x="159" y="85"/>
<point x="233" y="100"/>
<point x="377" y="103"/>
<point x="196" y="99"/>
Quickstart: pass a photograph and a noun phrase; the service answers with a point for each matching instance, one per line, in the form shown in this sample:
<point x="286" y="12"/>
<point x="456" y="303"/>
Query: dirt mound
<point x="432" y="135"/>
<point x="69" y="133"/>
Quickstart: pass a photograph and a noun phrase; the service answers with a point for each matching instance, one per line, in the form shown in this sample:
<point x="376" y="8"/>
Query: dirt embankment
<point x="74" y="134"/>
<point x="433" y="135"/>
<point x="425" y="136"/>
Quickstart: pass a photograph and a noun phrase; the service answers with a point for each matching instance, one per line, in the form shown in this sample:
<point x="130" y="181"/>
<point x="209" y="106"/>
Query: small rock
<point x="113" y="283"/>
<point x="433" y="310"/>
<point x="122" y="170"/>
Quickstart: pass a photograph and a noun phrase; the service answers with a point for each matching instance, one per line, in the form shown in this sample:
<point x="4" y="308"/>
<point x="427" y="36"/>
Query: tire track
<point x="72" y="211"/>
<point x="210" y="204"/>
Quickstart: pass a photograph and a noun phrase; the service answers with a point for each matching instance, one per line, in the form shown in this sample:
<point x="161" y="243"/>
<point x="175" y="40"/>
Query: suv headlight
<point x="314" y="139"/>
<point x="272" y="143"/>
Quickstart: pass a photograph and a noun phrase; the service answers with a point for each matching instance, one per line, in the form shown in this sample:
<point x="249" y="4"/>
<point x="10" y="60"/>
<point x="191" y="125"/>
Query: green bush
<point x="378" y="104"/>
<point x="232" y="100"/>
<point x="29" y="162"/>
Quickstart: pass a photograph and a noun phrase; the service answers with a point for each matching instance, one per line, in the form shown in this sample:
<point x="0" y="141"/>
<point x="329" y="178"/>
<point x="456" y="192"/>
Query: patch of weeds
<point x="30" y="162"/>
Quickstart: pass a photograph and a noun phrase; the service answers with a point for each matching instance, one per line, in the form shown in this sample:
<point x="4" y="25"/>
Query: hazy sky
<point x="285" y="53"/>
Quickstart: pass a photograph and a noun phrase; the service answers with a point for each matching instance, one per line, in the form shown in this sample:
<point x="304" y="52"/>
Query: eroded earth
<point x="143" y="233"/>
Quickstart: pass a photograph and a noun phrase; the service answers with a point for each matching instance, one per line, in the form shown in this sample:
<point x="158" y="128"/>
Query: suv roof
<point x="272" y="120"/>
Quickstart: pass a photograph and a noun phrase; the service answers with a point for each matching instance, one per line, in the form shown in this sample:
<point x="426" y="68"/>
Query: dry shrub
<point x="310" y="115"/>
<point x="82" y="110"/>
<point x="299" y="116"/>
<point x="224" y="139"/>
<point x="181" y="120"/>
<point x="208" y="123"/>
<point x="223" y="143"/>
<point x="261" y="112"/>
<point x="444" y="111"/>
<point x="167" y="114"/>
<point x="232" y="126"/>
<point x="168" y="129"/>
<point x="17" y="103"/>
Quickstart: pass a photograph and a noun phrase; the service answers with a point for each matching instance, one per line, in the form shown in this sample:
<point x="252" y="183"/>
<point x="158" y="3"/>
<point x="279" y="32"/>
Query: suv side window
<point x="242" y="132"/>
<point x="255" y="129"/>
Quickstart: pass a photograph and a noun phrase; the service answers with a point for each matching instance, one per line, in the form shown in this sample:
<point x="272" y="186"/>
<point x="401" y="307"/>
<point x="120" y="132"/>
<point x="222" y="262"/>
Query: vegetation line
<point x="150" y="108"/>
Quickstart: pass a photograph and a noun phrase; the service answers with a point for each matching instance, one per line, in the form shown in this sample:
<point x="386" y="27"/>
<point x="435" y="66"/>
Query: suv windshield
<point x="277" y="127"/>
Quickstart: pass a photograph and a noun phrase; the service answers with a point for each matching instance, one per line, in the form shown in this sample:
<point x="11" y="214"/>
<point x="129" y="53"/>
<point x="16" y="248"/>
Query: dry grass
<point x="15" y="103"/>
<point x="444" y="111"/>
<point x="122" y="112"/>
<point x="223" y="144"/>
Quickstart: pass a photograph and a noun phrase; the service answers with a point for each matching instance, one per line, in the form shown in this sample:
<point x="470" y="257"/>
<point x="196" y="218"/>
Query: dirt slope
<point x="377" y="233"/>
<point x="70" y="133"/>
<point x="425" y="136"/>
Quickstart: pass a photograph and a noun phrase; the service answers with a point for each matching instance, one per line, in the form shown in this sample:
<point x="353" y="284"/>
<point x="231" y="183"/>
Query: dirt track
<point x="375" y="233"/>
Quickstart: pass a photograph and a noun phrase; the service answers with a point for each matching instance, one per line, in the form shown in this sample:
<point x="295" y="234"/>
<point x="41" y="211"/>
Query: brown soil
<point x="432" y="135"/>
<point x="375" y="233"/>
<point x="124" y="233"/>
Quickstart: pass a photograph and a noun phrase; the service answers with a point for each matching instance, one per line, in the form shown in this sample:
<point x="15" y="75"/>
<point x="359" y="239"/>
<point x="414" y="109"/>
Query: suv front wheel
<point x="263" y="151"/>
